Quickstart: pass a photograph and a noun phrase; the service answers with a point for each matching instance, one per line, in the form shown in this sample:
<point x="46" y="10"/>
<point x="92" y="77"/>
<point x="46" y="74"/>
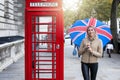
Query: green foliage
<point x="69" y="17"/>
<point x="102" y="8"/>
<point x="118" y="15"/>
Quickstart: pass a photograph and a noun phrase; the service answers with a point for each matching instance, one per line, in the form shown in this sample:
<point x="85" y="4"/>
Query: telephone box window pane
<point x="47" y="67"/>
<point x="54" y="37"/>
<point x="33" y="28"/>
<point x="45" y="46"/>
<point x="54" y="28"/>
<point x="45" y="19"/>
<point x="37" y="19"/>
<point x="54" y="19"/>
<point x="45" y="56"/>
<point x="45" y="24"/>
<point x="45" y="28"/>
<point x="46" y="37"/>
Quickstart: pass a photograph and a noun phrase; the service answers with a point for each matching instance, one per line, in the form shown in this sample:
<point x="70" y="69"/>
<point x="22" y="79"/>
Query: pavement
<point x="109" y="68"/>
<point x="14" y="71"/>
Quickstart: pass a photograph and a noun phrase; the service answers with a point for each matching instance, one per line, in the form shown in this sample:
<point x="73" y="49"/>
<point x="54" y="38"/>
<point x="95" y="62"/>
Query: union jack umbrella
<point x="78" y="30"/>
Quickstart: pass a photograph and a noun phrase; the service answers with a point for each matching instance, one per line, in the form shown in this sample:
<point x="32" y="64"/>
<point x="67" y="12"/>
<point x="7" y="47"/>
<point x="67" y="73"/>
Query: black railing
<point x="10" y="39"/>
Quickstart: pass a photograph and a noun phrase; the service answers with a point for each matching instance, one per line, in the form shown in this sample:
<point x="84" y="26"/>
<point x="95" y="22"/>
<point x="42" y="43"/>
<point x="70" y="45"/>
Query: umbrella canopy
<point x="78" y="30"/>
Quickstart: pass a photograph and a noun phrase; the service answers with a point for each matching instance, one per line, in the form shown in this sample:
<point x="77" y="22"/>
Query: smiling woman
<point x="71" y="4"/>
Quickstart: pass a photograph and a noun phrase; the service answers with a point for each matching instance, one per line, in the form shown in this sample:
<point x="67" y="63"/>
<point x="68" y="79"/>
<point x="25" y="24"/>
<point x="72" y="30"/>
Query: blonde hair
<point x="91" y="27"/>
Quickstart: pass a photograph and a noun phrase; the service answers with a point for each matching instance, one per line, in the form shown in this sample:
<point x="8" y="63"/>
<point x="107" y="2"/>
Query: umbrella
<point x="78" y="30"/>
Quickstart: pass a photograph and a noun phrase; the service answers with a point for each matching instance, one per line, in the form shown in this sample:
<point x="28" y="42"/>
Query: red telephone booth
<point x="44" y="49"/>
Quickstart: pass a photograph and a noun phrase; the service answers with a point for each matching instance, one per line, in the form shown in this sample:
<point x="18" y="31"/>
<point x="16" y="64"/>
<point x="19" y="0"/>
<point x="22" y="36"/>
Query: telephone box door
<point x="45" y="46"/>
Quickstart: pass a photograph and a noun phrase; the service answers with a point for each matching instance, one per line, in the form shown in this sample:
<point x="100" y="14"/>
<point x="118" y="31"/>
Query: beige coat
<point x="97" y="50"/>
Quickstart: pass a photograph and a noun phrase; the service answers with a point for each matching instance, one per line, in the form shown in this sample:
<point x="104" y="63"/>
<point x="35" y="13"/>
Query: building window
<point x="6" y="8"/>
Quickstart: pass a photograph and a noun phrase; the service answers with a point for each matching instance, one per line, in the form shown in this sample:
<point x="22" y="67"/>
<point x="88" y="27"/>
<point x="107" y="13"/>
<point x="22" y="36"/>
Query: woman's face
<point x="91" y="32"/>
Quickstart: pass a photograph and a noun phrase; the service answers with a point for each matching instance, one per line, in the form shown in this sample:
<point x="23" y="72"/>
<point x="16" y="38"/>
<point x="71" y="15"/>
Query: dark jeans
<point x="92" y="67"/>
<point x="109" y="52"/>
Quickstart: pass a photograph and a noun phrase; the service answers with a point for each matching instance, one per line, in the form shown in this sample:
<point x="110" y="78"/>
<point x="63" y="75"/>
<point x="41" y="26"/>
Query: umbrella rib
<point x="103" y="26"/>
<point x="85" y="23"/>
<point x="77" y="36"/>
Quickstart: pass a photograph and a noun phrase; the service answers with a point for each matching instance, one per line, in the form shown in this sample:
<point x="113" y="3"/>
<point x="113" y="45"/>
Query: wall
<point x="11" y="19"/>
<point x="11" y="24"/>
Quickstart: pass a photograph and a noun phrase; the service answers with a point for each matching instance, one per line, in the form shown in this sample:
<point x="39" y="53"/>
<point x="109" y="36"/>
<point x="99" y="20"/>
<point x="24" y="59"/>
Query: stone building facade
<point x="11" y="17"/>
<point x="11" y="31"/>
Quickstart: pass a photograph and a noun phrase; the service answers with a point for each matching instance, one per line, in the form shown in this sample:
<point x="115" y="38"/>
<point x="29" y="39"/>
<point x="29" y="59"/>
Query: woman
<point x="91" y="50"/>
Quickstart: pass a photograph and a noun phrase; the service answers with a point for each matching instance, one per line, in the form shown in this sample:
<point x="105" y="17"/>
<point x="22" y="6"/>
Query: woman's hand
<point x="87" y="46"/>
<point x="90" y="49"/>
